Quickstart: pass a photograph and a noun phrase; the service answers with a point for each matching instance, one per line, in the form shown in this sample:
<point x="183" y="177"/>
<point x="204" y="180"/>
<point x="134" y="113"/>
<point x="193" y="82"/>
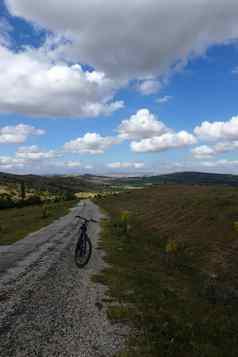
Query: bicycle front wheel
<point x="83" y="253"/>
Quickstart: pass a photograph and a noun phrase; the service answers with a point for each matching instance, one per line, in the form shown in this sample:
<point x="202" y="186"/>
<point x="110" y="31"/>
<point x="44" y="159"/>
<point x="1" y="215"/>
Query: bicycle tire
<point x="87" y="257"/>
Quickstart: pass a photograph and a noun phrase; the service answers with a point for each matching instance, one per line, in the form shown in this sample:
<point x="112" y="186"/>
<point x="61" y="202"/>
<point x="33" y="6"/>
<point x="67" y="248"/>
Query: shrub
<point x="57" y="199"/>
<point x="6" y="203"/>
<point x="171" y="247"/>
<point x="23" y="190"/>
<point x="30" y="201"/>
<point x="45" y="211"/>
<point x="124" y="220"/>
<point x="68" y="196"/>
<point x="33" y="200"/>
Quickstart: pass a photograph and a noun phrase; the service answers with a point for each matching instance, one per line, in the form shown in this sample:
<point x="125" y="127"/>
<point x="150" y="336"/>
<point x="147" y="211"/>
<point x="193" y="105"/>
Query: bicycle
<point x="83" y="250"/>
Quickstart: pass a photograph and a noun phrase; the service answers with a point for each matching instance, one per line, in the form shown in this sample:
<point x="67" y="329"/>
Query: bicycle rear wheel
<point x="83" y="252"/>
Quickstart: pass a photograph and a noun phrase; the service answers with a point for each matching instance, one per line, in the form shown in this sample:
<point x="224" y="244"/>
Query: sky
<point x="108" y="87"/>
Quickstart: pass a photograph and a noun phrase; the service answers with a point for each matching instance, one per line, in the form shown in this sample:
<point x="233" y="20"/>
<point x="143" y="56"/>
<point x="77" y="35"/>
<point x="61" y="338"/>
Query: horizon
<point x="120" y="175"/>
<point x="78" y="95"/>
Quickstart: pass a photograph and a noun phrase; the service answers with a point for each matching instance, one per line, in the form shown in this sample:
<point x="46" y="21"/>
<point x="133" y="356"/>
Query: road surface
<point x="49" y="307"/>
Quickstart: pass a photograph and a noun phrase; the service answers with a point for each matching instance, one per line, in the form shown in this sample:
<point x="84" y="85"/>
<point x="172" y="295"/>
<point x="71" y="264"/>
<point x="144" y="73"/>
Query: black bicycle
<point x="83" y="250"/>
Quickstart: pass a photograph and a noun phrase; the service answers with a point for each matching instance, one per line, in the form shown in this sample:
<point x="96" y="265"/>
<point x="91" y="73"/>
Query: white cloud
<point x="164" y="142"/>
<point x="150" y="134"/>
<point x="126" y="165"/>
<point x="203" y="151"/>
<point x="141" y="125"/>
<point x="223" y="162"/>
<point x="135" y="38"/>
<point x="34" y="153"/>
<point x="218" y="130"/>
<point x="5" y="29"/>
<point x="206" y="151"/>
<point x="149" y="87"/>
<point x="18" y="134"/>
<point x="226" y="146"/>
<point x="72" y="164"/>
<point x="164" y="99"/>
<point x="90" y="143"/>
<point x="8" y="163"/>
<point x="37" y="82"/>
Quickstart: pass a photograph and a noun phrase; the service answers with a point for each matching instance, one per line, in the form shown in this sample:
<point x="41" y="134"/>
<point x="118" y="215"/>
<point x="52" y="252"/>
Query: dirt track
<point x="48" y="307"/>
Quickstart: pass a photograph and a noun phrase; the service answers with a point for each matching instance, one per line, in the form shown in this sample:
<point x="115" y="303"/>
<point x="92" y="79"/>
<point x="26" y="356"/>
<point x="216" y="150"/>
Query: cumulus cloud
<point x="90" y="143"/>
<point x="206" y="151"/>
<point x="135" y="39"/>
<point x="203" y="151"/>
<point x="36" y="82"/>
<point x="18" y="134"/>
<point x="149" y="87"/>
<point x="217" y="163"/>
<point x="141" y="125"/>
<point x="126" y="165"/>
<point x="218" y="130"/>
<point x="164" y="142"/>
<point x="34" y="153"/>
<point x="150" y="134"/>
<point x="8" y="162"/>
<point x="30" y="159"/>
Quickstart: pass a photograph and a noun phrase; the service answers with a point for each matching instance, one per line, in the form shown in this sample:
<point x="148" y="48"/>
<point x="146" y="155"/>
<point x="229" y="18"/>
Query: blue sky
<point x="82" y="97"/>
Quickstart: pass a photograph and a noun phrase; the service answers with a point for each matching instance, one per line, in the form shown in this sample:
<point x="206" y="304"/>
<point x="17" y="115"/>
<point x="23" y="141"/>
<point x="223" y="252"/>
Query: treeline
<point x="7" y="200"/>
<point x="53" y="184"/>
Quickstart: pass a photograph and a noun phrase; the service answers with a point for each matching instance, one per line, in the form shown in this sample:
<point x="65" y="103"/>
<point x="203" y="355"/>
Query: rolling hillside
<point x="81" y="183"/>
<point x="52" y="184"/>
<point x="189" y="178"/>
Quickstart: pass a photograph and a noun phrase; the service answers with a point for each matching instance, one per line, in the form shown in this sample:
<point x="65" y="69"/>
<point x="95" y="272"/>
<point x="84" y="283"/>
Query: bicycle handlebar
<point x="87" y="220"/>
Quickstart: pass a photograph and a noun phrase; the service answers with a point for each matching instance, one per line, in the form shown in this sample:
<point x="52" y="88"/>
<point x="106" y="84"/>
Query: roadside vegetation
<point x="173" y="269"/>
<point x="24" y="209"/>
<point x="16" y="223"/>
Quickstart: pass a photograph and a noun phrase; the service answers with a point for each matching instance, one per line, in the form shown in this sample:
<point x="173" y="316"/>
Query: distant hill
<point x="52" y="184"/>
<point x="85" y="183"/>
<point x="188" y="178"/>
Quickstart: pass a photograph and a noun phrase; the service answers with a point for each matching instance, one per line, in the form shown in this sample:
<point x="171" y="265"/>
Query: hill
<point x="52" y="184"/>
<point x="189" y="178"/>
<point x="94" y="183"/>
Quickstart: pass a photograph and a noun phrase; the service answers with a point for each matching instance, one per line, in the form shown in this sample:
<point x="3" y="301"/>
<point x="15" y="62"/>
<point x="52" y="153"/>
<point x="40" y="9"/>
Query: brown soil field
<point x="179" y="258"/>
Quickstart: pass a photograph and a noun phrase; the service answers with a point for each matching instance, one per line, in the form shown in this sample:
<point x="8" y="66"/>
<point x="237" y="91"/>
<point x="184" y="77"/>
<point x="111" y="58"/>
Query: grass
<point x="16" y="223"/>
<point x="175" y="270"/>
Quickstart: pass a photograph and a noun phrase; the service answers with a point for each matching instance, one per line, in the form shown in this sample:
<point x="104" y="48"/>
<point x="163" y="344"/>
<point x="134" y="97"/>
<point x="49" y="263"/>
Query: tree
<point x="23" y="190"/>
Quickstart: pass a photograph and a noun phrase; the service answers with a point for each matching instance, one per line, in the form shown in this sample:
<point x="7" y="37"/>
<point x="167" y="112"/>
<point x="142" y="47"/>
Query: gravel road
<point x="49" y="307"/>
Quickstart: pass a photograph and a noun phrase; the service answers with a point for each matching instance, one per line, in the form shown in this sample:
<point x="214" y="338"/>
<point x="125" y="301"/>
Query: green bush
<point x="45" y="211"/>
<point x="125" y="221"/>
<point x="6" y="203"/>
<point x="30" y="201"/>
<point x="68" y="196"/>
<point x="121" y="224"/>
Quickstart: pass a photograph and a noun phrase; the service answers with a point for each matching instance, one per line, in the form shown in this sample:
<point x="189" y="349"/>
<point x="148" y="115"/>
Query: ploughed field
<point x="174" y="269"/>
